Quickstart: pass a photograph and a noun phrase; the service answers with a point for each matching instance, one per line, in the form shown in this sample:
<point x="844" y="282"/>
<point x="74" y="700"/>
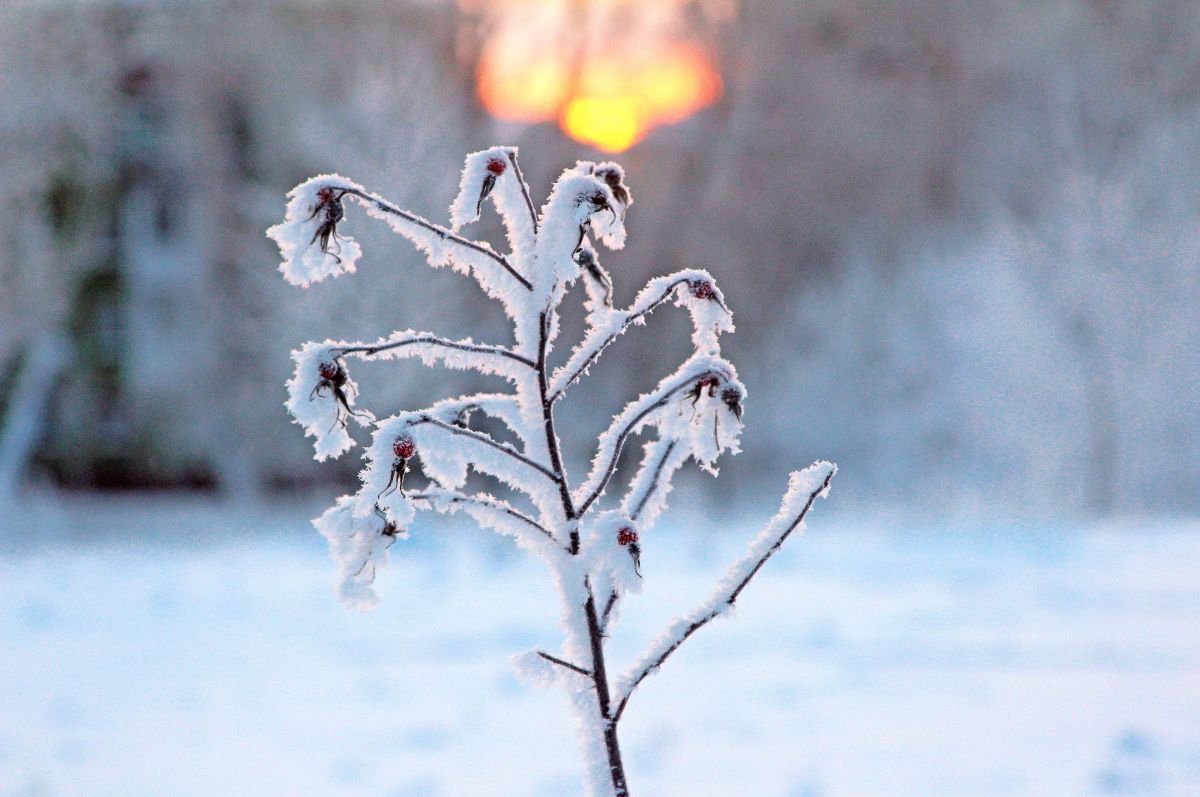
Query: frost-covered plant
<point x="593" y="551"/>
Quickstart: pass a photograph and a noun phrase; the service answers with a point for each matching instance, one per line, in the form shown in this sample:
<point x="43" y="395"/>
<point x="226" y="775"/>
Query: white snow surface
<point x="172" y="647"/>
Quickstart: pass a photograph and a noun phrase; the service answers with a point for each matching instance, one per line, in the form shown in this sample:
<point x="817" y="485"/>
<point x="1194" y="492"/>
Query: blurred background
<point x="960" y="244"/>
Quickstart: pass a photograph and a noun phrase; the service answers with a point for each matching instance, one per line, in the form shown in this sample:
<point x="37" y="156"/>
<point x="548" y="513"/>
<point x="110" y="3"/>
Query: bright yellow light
<point x="609" y="124"/>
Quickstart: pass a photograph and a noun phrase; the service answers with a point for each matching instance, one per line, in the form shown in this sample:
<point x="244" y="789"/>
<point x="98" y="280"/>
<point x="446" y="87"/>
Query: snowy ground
<point x="152" y="647"/>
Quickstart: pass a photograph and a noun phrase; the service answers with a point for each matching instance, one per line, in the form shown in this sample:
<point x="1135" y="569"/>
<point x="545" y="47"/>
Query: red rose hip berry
<point x="328" y="370"/>
<point x="702" y="289"/>
<point x="404" y="447"/>
<point x="626" y="536"/>
<point x="496" y="166"/>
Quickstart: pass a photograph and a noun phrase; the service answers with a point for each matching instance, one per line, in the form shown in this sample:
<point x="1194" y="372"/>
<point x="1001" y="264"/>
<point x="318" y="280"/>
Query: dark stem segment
<point x="598" y="673"/>
<point x="599" y="677"/>
<point x="440" y="231"/>
<point x="552" y="436"/>
<point x="728" y="600"/>
<point x="564" y="663"/>
<point x="477" y="348"/>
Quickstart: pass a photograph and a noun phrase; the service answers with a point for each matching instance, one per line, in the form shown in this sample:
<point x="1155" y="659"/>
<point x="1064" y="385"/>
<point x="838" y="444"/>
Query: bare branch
<point x="562" y="663"/>
<point x="433" y="340"/>
<point x="717" y="604"/>
<point x="437" y="229"/>
<point x="603" y="698"/>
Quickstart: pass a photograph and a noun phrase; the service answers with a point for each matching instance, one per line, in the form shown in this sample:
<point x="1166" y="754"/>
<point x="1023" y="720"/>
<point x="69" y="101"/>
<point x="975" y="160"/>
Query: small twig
<point x="598" y="350"/>
<point x="438" y="230"/>
<point x="608" y="607"/>
<point x="658" y="469"/>
<point x="487" y="441"/>
<point x="627" y="430"/>
<point x="499" y="506"/>
<point x="564" y="491"/>
<point x="478" y="348"/>
<point x="567" y="664"/>
<point x="725" y="601"/>
<point x="512" y="157"/>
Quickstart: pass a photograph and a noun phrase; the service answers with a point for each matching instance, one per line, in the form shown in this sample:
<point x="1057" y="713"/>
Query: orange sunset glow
<point x="610" y="101"/>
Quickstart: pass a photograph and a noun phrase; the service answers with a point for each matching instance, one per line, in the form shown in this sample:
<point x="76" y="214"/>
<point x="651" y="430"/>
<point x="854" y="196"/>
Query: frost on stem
<point x="804" y="487"/>
<point x="692" y="289"/>
<point x="578" y="204"/>
<point x="423" y="459"/>
<point x="699" y="407"/>
<point x="491" y="513"/>
<point x="647" y="495"/>
<point x="446" y="452"/>
<point x="321" y="398"/>
<point x="359" y="545"/>
<point x="495" y="173"/>
<point x="465" y="355"/>
<point x="312" y="248"/>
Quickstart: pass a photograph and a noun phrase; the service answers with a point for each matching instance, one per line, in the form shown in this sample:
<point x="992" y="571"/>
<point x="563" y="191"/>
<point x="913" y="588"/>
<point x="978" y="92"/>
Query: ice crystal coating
<point x="803" y="487"/>
<point x="359" y="546"/>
